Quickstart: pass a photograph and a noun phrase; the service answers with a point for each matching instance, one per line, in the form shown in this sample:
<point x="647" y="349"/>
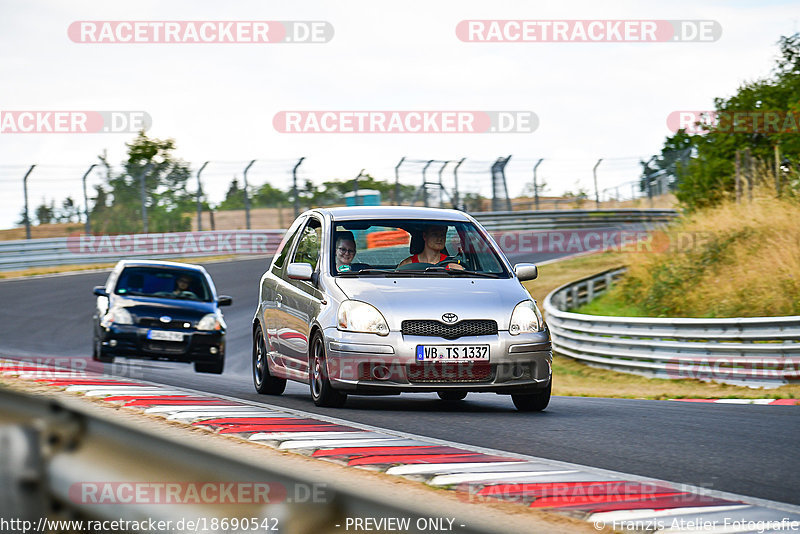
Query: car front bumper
<point x="372" y="364"/>
<point x="131" y="341"/>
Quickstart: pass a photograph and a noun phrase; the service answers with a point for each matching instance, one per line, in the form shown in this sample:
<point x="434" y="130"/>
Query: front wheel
<point x="97" y="352"/>
<point x="535" y="402"/>
<point x="322" y="393"/>
<point x="265" y="383"/>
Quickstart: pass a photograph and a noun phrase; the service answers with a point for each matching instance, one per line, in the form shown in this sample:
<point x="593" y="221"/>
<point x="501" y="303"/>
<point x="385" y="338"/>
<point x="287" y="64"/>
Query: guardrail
<point x="83" y="250"/>
<point x="752" y="351"/>
<point x="67" y="461"/>
<point x="91" y="249"/>
<point x="556" y="219"/>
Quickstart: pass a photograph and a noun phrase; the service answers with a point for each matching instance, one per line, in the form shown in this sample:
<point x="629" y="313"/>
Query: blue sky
<point x="593" y="100"/>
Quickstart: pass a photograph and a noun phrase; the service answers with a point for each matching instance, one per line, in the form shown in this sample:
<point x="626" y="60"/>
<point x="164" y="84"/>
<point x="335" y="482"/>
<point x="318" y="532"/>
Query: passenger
<point x="434" y="237"/>
<point x="345" y="250"/>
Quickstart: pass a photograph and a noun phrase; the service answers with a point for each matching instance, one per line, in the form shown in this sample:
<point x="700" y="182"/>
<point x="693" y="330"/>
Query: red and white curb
<point x="606" y="498"/>
<point x="765" y="402"/>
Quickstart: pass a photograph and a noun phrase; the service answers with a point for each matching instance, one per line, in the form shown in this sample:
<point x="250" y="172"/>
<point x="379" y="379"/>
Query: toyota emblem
<point x="449" y="318"/>
<point x="165" y="319"/>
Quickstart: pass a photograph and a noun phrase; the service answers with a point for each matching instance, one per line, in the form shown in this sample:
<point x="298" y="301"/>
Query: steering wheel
<point x="448" y="259"/>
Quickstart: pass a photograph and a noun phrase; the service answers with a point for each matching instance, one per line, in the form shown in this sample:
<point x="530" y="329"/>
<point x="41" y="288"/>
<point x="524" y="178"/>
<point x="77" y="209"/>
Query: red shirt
<point x="415" y="257"/>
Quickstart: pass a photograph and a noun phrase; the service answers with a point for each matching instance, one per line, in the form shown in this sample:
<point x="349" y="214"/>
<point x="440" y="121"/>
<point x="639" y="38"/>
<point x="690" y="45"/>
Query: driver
<point x="182" y="284"/>
<point x="434" y="237"/>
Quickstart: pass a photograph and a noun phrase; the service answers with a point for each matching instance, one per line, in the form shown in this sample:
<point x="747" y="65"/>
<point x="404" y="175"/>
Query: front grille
<point x="435" y="372"/>
<point x="470" y="327"/>
<point x="150" y="322"/>
<point x="166" y="347"/>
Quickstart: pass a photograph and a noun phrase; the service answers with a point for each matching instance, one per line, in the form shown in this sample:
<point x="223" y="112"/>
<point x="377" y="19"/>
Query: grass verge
<point x="573" y="378"/>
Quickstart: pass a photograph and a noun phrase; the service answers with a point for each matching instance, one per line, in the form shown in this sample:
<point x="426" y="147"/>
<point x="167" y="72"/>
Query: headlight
<point x="526" y="319"/>
<point x="116" y="315"/>
<point x="355" y="316"/>
<point x="211" y="321"/>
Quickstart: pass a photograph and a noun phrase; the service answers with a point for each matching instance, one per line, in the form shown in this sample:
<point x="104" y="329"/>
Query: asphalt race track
<point x="743" y="449"/>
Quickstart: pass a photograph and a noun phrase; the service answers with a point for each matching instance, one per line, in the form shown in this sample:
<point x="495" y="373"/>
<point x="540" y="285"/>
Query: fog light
<point x="112" y="343"/>
<point x="213" y="350"/>
<point x="381" y="372"/>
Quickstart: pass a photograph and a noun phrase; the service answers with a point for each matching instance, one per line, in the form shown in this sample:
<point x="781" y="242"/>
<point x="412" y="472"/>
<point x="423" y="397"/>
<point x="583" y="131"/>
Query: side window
<point x="284" y="248"/>
<point x="308" y="247"/>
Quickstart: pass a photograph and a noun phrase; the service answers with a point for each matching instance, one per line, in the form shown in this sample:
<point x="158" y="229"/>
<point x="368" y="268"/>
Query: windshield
<point x="163" y="283"/>
<point x="413" y="248"/>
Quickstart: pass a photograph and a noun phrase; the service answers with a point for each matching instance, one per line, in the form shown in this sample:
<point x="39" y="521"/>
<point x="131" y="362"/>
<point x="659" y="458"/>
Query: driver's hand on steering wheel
<point x="454" y="267"/>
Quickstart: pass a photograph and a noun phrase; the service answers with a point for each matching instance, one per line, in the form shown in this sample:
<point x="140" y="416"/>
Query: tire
<point x="97" y="352"/>
<point x="214" y="368"/>
<point x="322" y="393"/>
<point x="447" y="395"/>
<point x="535" y="402"/>
<point x="265" y="383"/>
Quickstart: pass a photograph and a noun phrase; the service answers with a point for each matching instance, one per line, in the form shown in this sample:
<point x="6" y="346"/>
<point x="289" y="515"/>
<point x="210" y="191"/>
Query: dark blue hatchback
<point x="160" y="310"/>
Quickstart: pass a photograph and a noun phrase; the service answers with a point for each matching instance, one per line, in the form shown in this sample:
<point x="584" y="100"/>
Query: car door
<point x="301" y="300"/>
<point x="270" y="298"/>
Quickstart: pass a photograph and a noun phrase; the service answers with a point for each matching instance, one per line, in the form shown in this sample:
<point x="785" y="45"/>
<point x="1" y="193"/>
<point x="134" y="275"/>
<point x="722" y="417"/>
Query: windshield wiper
<point x="439" y="269"/>
<point x="369" y="271"/>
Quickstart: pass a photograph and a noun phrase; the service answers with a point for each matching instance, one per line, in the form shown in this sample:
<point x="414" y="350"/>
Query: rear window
<point x="155" y="282"/>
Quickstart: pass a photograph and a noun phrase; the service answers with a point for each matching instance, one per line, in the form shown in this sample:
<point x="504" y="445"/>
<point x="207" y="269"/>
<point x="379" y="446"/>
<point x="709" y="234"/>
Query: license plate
<point x="163" y="335"/>
<point x="453" y="353"/>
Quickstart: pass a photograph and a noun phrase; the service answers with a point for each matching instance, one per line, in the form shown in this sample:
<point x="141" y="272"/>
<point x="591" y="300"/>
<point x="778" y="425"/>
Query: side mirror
<point x="100" y="291"/>
<point x="526" y="271"/>
<point x="300" y="271"/>
<point x="224" y="300"/>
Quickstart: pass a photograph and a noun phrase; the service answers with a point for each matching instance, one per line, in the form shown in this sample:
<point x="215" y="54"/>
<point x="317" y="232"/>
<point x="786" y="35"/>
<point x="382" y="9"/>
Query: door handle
<point x="278" y="300"/>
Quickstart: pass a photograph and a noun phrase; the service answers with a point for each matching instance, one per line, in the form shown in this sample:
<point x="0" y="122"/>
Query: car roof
<point x="392" y="212"/>
<point x="160" y="263"/>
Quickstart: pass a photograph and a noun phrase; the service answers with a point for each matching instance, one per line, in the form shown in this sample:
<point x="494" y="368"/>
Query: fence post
<point x="27" y="215"/>
<point x="596" y="194"/>
<point x="397" y="181"/>
<point x="143" y="194"/>
<point x="441" y="184"/>
<point x="199" y="197"/>
<point x="456" y="200"/>
<point x="294" y="188"/>
<point x="777" y="170"/>
<point x="86" y="200"/>
<point x="750" y="174"/>
<point x="738" y="177"/>
<point x="536" y="185"/>
<point x="247" y="196"/>
<point x="425" y="183"/>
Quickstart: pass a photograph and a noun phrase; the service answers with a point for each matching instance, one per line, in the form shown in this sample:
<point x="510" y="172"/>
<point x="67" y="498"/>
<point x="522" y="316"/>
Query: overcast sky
<point x="593" y="100"/>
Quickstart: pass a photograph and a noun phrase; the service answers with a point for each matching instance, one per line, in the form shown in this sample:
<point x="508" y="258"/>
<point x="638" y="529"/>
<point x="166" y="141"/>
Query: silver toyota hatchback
<point x="386" y="300"/>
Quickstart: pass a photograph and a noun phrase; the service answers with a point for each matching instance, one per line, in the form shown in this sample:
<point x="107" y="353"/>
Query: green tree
<point x="46" y="214"/>
<point x="234" y="198"/>
<point x="165" y="183"/>
<point x="69" y="211"/>
<point x="269" y="197"/>
<point x="708" y="175"/>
